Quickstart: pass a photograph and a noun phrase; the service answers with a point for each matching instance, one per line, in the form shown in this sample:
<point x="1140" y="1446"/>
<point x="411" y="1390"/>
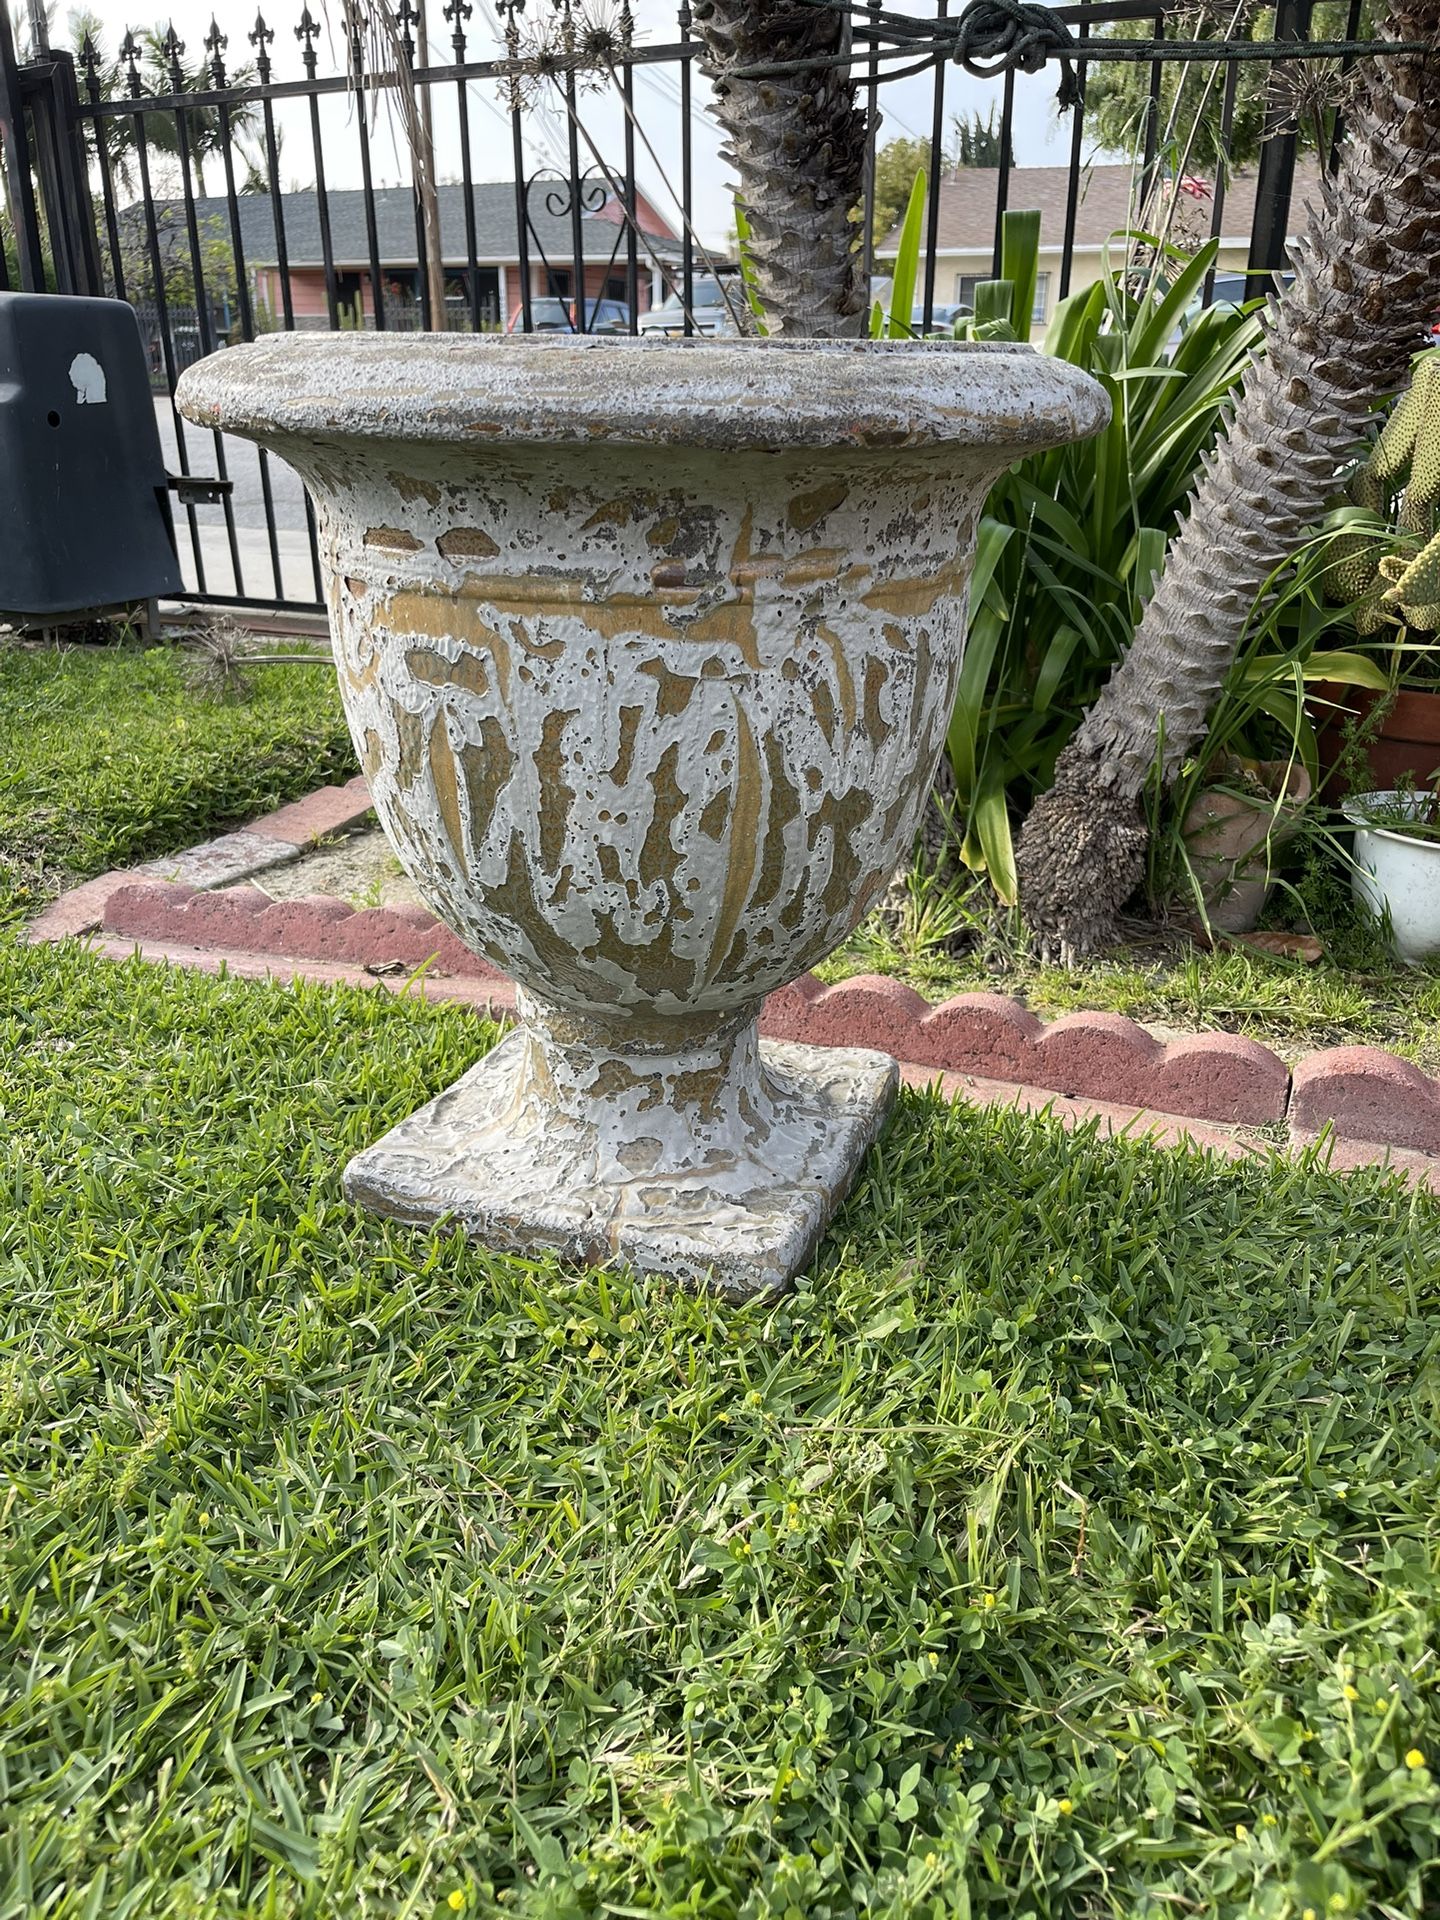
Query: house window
<point x="966" y="283"/>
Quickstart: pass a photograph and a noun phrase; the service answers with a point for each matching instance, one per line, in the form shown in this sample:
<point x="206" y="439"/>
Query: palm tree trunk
<point x="798" y="143"/>
<point x="1337" y="341"/>
<point x="425" y="187"/>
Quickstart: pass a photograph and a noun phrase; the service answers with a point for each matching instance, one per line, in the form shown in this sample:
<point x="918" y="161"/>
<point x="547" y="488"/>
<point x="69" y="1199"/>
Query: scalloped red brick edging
<point x="1090" y="1056"/>
<point x="1364" y="1093"/>
<point x="188" y="910"/>
<point x="314" y="927"/>
<point x="1095" y="1056"/>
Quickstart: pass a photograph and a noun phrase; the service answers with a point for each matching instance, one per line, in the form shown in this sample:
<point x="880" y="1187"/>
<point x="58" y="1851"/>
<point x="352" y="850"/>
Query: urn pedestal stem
<point x="706" y="1153"/>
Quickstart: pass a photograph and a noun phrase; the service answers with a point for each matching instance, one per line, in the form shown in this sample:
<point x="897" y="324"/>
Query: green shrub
<point x="1071" y="540"/>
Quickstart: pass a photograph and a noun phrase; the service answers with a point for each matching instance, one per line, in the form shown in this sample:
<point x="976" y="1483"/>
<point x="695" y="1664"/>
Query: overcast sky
<point x="1040" y="136"/>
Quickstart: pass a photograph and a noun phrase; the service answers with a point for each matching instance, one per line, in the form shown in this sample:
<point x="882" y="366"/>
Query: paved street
<point x="242" y="465"/>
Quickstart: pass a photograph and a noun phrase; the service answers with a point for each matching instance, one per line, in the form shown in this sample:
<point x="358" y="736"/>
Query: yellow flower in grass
<point x="1352" y="1693"/>
<point x="455" y="1900"/>
<point x="1066" y="1806"/>
<point x="1414" y="1758"/>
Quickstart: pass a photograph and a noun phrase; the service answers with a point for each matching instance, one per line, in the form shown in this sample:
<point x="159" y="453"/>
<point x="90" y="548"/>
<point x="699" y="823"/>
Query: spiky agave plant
<point x="1339" y="340"/>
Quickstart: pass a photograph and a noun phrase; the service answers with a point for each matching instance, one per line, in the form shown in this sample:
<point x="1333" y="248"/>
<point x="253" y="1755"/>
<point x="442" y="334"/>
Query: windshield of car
<point x="707" y="293"/>
<point x="1234" y="289"/>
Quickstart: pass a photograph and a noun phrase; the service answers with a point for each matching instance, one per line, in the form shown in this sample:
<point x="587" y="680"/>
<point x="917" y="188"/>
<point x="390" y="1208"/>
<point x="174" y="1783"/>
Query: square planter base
<point x="478" y="1156"/>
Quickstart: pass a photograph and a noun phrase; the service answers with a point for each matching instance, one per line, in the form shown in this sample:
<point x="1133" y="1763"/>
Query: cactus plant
<point x="1388" y="567"/>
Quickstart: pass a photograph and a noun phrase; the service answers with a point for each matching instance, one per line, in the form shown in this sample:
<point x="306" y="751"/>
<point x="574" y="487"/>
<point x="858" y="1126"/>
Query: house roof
<point x="495" y="227"/>
<point x="966" y="222"/>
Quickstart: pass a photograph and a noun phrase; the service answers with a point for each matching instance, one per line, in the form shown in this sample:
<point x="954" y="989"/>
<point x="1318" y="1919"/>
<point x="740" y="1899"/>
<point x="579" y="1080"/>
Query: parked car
<point x="942" y="320"/>
<point x="1231" y="289"/>
<point x="554" y="315"/>
<point x="710" y="312"/>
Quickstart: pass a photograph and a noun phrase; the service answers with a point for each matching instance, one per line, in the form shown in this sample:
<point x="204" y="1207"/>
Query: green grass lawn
<point x="1065" y="1545"/>
<point x="106" y="757"/>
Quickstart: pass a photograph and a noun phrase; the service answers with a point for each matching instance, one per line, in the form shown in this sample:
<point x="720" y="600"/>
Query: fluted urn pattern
<point x="648" y="650"/>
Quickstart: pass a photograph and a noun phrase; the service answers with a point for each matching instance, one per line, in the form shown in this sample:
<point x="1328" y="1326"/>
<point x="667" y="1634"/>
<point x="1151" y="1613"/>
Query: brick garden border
<point x="196" y="909"/>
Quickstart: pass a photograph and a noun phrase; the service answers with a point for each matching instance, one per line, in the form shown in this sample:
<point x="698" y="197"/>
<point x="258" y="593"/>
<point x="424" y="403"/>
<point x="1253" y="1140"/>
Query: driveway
<point x="247" y="504"/>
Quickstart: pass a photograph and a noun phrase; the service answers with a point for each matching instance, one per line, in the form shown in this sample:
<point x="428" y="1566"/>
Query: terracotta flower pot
<point x="648" y="650"/>
<point x="1406" y="746"/>
<point x="1231" y="838"/>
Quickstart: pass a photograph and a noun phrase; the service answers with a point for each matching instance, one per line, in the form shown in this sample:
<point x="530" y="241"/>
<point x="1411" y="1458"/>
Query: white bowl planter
<point x="648" y="649"/>
<point x="1396" y="872"/>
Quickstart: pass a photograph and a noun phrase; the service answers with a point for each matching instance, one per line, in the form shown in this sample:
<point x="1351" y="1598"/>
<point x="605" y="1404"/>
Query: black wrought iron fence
<point x="107" y="161"/>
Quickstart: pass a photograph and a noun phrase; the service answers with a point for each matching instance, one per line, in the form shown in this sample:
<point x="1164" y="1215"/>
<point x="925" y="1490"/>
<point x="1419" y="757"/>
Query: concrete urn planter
<point x="648" y="649"/>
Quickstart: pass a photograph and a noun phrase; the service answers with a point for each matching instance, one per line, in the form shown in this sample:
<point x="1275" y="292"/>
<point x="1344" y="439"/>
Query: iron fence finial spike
<point x="307" y="33"/>
<point x="260" y="37"/>
<point x="215" y="44"/>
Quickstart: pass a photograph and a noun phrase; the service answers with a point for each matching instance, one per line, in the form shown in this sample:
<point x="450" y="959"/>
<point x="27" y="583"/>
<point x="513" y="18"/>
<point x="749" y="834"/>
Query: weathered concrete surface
<point x="648" y="650"/>
<point x="722" y="1200"/>
<point x="361" y="868"/>
<point x="564" y="389"/>
<point x="224" y="860"/>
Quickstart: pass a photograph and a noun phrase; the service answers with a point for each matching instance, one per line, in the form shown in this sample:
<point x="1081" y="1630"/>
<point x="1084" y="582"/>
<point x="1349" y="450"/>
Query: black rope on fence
<point x="993" y="35"/>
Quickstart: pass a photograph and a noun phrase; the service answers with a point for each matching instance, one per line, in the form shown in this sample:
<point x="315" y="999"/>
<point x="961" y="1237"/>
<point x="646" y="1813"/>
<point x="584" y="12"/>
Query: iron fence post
<point x="60" y="168"/>
<point x="1275" y="181"/>
<point x="20" y="186"/>
<point x="47" y="127"/>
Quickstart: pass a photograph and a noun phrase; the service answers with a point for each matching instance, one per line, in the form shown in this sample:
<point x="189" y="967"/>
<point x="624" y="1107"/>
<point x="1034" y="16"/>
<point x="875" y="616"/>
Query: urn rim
<point x="623" y="390"/>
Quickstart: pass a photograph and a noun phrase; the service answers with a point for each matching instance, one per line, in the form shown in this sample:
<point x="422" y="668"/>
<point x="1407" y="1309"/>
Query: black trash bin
<point x="84" y="504"/>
